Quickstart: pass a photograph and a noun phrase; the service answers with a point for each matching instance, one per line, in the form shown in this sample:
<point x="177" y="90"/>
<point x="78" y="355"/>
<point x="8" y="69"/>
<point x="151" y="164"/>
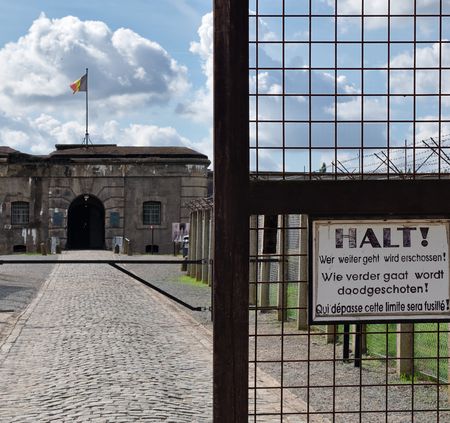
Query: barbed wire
<point x="425" y="156"/>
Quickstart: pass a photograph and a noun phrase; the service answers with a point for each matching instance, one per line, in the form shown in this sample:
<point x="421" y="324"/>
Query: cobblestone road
<point x="97" y="346"/>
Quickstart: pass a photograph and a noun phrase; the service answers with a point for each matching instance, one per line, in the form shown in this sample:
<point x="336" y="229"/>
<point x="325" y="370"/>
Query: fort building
<point x="89" y="197"/>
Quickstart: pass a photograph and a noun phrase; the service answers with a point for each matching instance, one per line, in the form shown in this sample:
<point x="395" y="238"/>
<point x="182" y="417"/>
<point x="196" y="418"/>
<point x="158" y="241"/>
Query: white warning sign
<point x="380" y="270"/>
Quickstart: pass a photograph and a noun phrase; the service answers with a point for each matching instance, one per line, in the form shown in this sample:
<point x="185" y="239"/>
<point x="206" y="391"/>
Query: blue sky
<point x="149" y="72"/>
<point x="384" y="111"/>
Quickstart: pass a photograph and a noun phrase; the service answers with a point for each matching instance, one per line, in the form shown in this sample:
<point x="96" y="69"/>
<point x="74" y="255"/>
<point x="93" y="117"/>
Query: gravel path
<point x="168" y="278"/>
<point x="355" y="389"/>
<point x="348" y="395"/>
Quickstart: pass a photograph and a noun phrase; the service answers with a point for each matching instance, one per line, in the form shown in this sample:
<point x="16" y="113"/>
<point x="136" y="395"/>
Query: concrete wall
<point x="121" y="186"/>
<point x="29" y="189"/>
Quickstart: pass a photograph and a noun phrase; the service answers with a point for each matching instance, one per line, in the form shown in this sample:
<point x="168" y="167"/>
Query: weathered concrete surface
<point x="96" y="346"/>
<point x="116" y="180"/>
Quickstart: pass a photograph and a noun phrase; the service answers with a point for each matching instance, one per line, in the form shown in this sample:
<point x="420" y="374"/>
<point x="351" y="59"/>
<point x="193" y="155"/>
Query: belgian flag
<point x="80" y="84"/>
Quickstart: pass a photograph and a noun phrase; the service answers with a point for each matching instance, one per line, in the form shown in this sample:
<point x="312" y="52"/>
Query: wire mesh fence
<point x="301" y="372"/>
<point x="338" y="90"/>
<point x="349" y="87"/>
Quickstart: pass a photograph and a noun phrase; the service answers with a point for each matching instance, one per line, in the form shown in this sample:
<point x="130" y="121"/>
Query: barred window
<point x="20" y="213"/>
<point x="152" y="213"/>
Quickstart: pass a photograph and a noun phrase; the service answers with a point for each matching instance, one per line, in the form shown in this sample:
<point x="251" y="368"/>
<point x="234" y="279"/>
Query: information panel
<point x="371" y="270"/>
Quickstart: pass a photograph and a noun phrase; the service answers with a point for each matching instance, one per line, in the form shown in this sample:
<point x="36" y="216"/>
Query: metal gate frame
<point x="237" y="198"/>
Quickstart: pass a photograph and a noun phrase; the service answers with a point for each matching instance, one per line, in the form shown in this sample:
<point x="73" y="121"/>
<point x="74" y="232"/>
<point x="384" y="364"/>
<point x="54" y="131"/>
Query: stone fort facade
<point x="89" y="197"/>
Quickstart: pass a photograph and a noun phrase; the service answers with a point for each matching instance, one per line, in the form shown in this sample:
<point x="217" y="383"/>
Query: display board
<point x="373" y="270"/>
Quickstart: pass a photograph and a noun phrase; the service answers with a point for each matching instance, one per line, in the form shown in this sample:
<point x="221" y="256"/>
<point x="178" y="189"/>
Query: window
<point x="20" y="213"/>
<point x="152" y="213"/>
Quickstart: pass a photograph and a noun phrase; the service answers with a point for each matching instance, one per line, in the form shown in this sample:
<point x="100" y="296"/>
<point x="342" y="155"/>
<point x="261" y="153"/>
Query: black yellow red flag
<point x="80" y="84"/>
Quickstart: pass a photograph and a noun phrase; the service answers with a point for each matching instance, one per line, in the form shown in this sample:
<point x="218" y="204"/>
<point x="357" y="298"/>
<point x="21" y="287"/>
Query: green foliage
<point x="187" y="280"/>
<point x="429" y="344"/>
<point x="381" y="340"/>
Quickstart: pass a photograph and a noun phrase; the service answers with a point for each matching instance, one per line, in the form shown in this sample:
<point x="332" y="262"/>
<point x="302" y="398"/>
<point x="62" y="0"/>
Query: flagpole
<point x="86" y="136"/>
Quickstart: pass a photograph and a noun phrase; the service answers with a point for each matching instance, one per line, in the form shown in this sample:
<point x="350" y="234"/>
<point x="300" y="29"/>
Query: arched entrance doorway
<point x="86" y="224"/>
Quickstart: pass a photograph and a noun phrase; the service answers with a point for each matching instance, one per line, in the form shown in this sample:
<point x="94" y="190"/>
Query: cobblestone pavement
<point x="167" y="278"/>
<point x="18" y="286"/>
<point x="96" y="346"/>
<point x="19" y="283"/>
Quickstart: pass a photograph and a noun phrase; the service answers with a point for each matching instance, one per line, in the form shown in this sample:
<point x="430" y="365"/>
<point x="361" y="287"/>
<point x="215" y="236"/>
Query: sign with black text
<point x="368" y="270"/>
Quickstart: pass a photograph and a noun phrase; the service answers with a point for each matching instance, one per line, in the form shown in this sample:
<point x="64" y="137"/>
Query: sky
<point x="150" y="73"/>
<point x="338" y="121"/>
<point x="150" y="76"/>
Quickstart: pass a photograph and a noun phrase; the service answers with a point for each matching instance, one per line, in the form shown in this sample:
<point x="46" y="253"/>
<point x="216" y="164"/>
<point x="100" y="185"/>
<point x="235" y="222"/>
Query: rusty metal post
<point x="231" y="216"/>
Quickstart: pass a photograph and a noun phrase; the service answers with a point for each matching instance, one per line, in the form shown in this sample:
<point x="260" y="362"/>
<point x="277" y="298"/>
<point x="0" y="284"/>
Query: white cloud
<point x="427" y="81"/>
<point x="380" y="7"/>
<point x="128" y="76"/>
<point x="16" y="138"/>
<point x="200" y="107"/>
<point x="38" y="135"/>
<point x="266" y="84"/>
<point x="37" y="69"/>
<point x="152" y="135"/>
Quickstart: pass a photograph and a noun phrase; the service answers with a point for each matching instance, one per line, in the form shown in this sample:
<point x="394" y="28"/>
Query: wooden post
<point x="192" y="243"/>
<point x="357" y="345"/>
<point x="302" y="316"/>
<point x="205" y="245"/>
<point x="189" y="267"/>
<point x="405" y="349"/>
<point x="231" y="212"/>
<point x="282" y="287"/>
<point x="331" y="334"/>
<point x="448" y="363"/>
<point x="267" y="250"/>
<point x="199" y="246"/>
<point x="253" y="254"/>
<point x="363" y="339"/>
<point x="211" y="248"/>
<point x="346" y="343"/>
<point x="264" y="285"/>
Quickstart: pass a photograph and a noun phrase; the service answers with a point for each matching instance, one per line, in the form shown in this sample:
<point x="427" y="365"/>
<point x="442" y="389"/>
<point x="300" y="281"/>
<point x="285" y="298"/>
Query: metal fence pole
<point x="231" y="216"/>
